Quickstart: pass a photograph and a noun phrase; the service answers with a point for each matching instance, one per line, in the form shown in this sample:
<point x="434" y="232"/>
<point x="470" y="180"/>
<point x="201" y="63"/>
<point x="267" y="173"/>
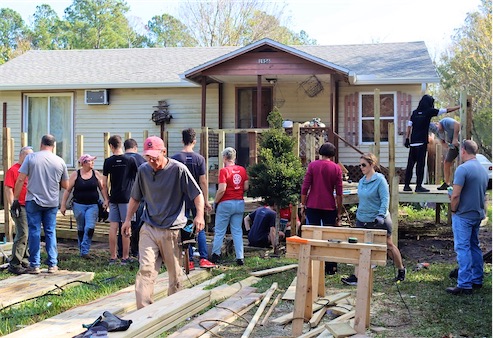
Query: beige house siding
<point x="347" y="155"/>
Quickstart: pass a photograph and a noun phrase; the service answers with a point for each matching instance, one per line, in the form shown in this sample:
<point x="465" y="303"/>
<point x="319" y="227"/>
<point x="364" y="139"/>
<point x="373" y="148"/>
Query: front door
<point x="247" y="118"/>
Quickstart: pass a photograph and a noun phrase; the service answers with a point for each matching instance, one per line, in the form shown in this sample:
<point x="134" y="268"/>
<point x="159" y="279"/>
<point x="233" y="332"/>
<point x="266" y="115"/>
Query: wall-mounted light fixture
<point x="272" y="81"/>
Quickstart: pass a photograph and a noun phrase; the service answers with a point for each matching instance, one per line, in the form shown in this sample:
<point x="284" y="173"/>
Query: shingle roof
<point x="161" y="67"/>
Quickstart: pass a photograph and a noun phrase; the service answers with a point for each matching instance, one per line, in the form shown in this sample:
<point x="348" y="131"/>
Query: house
<point x="54" y="92"/>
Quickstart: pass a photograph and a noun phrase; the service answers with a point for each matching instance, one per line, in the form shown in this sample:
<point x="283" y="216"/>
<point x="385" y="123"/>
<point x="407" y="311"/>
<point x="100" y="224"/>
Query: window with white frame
<point x="367" y="116"/>
<point x="50" y="113"/>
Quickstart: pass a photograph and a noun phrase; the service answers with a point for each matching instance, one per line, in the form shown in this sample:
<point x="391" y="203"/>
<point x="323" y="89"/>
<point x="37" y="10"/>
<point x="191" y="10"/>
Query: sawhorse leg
<point x="303" y="298"/>
<point x="364" y="291"/>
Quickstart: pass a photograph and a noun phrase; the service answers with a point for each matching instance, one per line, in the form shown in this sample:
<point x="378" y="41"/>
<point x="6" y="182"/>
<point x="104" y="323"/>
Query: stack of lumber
<point x="66" y="227"/>
<point x="69" y="323"/>
<point x="5" y="252"/>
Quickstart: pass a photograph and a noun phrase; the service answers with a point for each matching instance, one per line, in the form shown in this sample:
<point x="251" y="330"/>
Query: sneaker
<point x="421" y="189"/>
<point x="215" y="258"/>
<point x="191" y="266"/>
<point x="127" y="261"/>
<point x="86" y="256"/>
<point x="351" y="280"/>
<point x="477" y="286"/>
<point x="204" y="263"/>
<point x="401" y="275"/>
<point x="444" y="186"/>
<point x="52" y="269"/>
<point x="112" y="261"/>
<point x="17" y="270"/>
<point x="407" y="188"/>
<point x="33" y="270"/>
<point x="459" y="291"/>
<point x="240" y="262"/>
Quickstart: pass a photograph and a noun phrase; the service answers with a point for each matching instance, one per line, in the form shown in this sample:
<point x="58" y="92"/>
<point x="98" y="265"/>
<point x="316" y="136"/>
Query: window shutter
<point x="351" y="118"/>
<point x="403" y="111"/>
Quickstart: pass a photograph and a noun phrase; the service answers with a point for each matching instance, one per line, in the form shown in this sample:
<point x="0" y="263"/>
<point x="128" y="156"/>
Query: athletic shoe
<point x="52" y="269"/>
<point x="444" y="186"/>
<point x="407" y="188"/>
<point x="191" y="266"/>
<point x="421" y="189"/>
<point x="204" y="263"/>
<point x="477" y="286"/>
<point x="112" y="261"/>
<point x="401" y="275"/>
<point x="215" y="258"/>
<point x="240" y="262"/>
<point x="459" y="291"/>
<point x="351" y="280"/>
<point x="33" y="270"/>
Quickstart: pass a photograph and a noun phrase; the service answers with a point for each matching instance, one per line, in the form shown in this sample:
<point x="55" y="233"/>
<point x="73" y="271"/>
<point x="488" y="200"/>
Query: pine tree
<point x="278" y="175"/>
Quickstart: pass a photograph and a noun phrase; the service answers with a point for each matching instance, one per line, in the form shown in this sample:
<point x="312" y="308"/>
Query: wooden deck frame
<point x="321" y="244"/>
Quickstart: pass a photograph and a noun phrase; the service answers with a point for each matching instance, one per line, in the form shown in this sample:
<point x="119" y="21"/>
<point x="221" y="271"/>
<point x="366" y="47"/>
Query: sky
<point x="330" y="22"/>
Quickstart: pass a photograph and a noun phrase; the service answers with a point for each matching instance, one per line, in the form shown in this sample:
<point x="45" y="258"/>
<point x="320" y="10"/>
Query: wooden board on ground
<point x="222" y="312"/>
<point x="19" y="288"/>
<point x="162" y="315"/>
<point x="273" y="270"/>
<point x="340" y="330"/>
<point x="291" y="291"/>
<point x="69" y="323"/>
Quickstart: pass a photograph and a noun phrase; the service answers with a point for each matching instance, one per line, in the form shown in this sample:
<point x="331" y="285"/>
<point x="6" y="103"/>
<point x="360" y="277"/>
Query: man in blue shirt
<point x="261" y="225"/>
<point x="467" y="205"/>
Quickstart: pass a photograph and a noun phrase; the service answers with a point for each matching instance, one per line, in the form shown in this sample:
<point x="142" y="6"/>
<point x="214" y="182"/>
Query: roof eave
<point x="364" y="80"/>
<point x="29" y="87"/>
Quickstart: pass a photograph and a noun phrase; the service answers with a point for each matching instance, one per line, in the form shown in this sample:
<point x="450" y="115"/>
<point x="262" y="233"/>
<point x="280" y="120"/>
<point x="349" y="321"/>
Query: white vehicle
<point x="487" y="165"/>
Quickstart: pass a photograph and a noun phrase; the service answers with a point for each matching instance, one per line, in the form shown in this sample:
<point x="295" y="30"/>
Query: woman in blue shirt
<point x="373" y="211"/>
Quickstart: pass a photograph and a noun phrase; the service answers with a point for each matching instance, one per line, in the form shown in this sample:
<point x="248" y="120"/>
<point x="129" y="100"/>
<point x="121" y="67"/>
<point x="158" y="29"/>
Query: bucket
<point x="287" y="124"/>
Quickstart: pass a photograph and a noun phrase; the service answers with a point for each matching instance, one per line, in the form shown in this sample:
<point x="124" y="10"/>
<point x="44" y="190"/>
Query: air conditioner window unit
<point x="96" y="96"/>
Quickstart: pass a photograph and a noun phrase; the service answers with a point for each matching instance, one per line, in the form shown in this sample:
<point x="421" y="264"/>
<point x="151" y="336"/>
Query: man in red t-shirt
<point x="285" y="215"/>
<point x="20" y="252"/>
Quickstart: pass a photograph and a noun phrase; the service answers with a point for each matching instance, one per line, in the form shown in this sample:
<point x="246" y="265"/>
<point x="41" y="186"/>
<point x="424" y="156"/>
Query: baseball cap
<point x="153" y="146"/>
<point x="85" y="158"/>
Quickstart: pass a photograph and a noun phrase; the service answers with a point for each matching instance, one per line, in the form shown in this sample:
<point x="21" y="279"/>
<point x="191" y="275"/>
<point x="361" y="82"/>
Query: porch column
<point x="259" y="100"/>
<point x="204" y="101"/>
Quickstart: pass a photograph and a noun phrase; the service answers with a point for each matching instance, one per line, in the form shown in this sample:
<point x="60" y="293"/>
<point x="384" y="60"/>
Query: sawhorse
<point x="320" y="244"/>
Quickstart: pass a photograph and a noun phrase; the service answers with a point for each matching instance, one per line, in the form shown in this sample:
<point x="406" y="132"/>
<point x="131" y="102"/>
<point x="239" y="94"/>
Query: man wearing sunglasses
<point x="163" y="184"/>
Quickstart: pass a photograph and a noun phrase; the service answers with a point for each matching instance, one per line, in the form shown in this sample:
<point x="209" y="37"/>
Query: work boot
<point x="401" y="275"/>
<point x="459" y="291"/>
<point x="17" y="270"/>
<point x="351" y="280"/>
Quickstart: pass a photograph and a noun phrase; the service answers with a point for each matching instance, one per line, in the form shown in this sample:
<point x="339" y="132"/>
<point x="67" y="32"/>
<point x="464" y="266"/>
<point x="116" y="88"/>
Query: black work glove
<point x="379" y="220"/>
<point x="407" y="143"/>
<point x="15" y="209"/>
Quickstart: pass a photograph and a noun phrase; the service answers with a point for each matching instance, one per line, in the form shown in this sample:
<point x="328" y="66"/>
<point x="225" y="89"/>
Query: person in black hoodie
<point x="417" y="139"/>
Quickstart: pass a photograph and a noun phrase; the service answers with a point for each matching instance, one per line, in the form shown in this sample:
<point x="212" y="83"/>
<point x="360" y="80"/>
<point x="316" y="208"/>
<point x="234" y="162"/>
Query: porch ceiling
<point x="252" y="79"/>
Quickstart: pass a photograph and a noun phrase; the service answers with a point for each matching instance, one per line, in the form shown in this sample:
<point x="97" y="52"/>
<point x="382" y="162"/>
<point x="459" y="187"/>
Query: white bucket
<point x="287" y="124"/>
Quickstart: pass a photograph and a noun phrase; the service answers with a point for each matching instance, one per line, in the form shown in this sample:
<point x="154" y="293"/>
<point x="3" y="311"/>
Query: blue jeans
<point x="35" y="216"/>
<point x="469" y="254"/>
<point x="229" y="212"/>
<point x="201" y="239"/>
<point x="85" y="216"/>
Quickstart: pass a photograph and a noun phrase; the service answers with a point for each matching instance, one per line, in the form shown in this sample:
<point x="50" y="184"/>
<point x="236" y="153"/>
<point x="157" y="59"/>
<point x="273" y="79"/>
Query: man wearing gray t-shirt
<point x="467" y="205"/>
<point x="163" y="184"/>
<point x="47" y="172"/>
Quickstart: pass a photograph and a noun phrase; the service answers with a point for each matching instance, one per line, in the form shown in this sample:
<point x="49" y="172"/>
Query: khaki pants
<point x="155" y="247"/>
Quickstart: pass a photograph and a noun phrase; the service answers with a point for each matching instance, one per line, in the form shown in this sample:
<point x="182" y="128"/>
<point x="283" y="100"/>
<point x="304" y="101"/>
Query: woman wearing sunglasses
<point x="373" y="211"/>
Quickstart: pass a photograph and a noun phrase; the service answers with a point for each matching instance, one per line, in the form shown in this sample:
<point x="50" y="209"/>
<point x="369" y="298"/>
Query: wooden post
<point x="394" y="209"/>
<point x="376" y="121"/>
<point x="252" y="146"/>
<point x="204" y="150"/>
<point x="106" y="146"/>
<point x="24" y="140"/>
<point x="296" y="135"/>
<point x="80" y="146"/>
<point x="7" y="163"/>
<point x="438" y="163"/>
<point x="463" y="119"/>
<point x="363" y="292"/>
<point x="469" y="103"/>
<point x="303" y="287"/>
<point x="127" y="135"/>
<point x="145" y="135"/>
<point x="391" y="129"/>
<point x="221" y="143"/>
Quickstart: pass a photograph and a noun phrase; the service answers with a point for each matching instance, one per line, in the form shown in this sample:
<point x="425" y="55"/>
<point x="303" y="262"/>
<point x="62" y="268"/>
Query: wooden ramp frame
<point x="320" y="244"/>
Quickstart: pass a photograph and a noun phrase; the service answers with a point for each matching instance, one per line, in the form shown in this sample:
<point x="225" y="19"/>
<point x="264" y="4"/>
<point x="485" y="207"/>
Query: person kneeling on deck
<point x="261" y="225"/>
<point x="163" y="184"/>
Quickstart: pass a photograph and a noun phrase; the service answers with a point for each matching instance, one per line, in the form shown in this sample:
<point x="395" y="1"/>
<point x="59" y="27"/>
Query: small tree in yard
<point x="278" y="175"/>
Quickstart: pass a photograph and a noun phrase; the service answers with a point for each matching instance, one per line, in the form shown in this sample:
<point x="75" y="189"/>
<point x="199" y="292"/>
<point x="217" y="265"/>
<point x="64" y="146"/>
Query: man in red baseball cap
<point x="163" y="184"/>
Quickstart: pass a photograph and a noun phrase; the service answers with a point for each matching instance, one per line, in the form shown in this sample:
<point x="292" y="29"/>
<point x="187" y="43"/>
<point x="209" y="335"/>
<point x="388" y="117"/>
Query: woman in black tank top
<point x="86" y="184"/>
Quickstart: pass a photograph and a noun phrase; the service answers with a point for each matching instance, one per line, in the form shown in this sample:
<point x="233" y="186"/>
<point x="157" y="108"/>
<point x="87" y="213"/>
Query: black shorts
<point x="387" y="225"/>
